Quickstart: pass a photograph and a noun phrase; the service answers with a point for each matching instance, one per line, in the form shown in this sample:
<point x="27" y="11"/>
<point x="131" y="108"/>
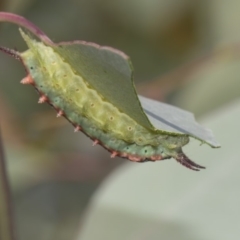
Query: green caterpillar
<point x="88" y="111"/>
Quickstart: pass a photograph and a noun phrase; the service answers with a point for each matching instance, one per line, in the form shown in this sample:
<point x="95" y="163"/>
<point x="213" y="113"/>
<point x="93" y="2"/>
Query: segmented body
<point x="73" y="98"/>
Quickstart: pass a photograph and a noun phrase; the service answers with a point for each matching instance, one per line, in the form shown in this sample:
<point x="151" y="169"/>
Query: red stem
<point x="21" y="21"/>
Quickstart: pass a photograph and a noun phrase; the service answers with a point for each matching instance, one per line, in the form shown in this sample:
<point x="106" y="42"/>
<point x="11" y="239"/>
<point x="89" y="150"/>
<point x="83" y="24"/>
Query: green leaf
<point x="109" y="72"/>
<point x="175" y="120"/>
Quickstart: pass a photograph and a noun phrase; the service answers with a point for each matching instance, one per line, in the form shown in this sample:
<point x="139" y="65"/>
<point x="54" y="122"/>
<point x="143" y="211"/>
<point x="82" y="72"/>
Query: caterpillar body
<point x="74" y="97"/>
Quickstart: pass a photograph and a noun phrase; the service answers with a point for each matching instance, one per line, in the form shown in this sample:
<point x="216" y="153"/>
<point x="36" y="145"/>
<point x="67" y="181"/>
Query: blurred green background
<point x="184" y="52"/>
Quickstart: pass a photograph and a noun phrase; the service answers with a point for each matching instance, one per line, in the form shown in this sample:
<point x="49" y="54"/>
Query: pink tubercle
<point x="60" y="113"/>
<point x="114" y="154"/>
<point x="77" y="129"/>
<point x="43" y="99"/>
<point x="27" y="80"/>
<point x="156" y="157"/>
<point x="95" y="142"/>
<point x="134" y="158"/>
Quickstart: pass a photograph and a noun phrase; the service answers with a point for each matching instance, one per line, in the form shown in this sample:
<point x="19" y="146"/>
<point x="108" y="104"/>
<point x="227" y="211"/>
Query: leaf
<point x="108" y="71"/>
<point x="176" y="120"/>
